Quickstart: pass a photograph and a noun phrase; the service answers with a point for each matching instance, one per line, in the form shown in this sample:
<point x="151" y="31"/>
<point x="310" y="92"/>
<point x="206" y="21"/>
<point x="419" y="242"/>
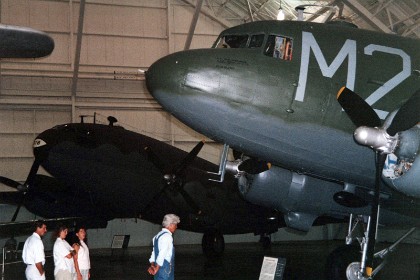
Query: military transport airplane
<point x="268" y="90"/>
<point x="102" y="172"/>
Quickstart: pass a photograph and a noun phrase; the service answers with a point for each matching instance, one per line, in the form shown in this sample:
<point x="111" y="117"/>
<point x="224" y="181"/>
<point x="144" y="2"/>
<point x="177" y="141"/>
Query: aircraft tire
<point x="266" y="242"/>
<point x="339" y="259"/>
<point x="213" y="244"/>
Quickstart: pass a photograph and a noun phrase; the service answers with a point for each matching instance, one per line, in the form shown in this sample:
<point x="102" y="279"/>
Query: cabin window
<point x="279" y="47"/>
<point x="256" y="41"/>
<point x="232" y="41"/>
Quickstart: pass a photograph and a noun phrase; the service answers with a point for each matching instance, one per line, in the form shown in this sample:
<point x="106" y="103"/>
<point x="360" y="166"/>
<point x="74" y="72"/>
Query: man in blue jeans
<point x="162" y="260"/>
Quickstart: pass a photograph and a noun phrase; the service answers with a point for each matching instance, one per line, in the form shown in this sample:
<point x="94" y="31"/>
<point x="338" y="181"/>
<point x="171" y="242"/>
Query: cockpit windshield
<point x="232" y="41"/>
<point x="277" y="46"/>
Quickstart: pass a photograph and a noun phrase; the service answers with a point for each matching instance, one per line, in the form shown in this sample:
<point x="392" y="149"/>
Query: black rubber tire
<point x="213" y="244"/>
<point x="339" y="259"/>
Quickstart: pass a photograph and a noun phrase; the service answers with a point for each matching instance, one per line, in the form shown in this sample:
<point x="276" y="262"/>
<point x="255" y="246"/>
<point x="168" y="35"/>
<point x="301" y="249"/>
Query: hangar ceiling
<point x="391" y="16"/>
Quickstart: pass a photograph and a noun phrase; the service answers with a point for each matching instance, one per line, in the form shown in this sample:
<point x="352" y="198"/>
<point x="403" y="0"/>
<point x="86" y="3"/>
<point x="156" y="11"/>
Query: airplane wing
<point x="11" y="229"/>
<point x="24" y="42"/>
<point x="11" y="198"/>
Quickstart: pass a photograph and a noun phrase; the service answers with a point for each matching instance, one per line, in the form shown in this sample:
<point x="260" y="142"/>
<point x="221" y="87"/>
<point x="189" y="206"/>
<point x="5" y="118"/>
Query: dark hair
<point x="38" y="224"/>
<point x="76" y="230"/>
<point x="79" y="227"/>
<point x="72" y="239"/>
<point x="60" y="228"/>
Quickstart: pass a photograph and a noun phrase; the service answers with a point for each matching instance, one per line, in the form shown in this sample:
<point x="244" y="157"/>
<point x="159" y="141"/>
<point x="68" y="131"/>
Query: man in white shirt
<point x="162" y="260"/>
<point x="33" y="253"/>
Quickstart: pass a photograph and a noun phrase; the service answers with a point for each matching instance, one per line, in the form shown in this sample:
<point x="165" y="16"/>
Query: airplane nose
<point x="161" y="75"/>
<point x="41" y="147"/>
<point x="178" y="77"/>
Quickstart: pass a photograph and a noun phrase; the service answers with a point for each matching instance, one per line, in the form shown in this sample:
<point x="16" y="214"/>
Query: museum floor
<point x="304" y="260"/>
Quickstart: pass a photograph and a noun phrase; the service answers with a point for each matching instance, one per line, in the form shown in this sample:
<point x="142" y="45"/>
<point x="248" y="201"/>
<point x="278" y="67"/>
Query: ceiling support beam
<point x="258" y="10"/>
<point x="193" y="24"/>
<point x="383" y="6"/>
<point x="366" y="15"/>
<point x="411" y="29"/>
<point x="77" y="57"/>
<point x="323" y="10"/>
<point x="406" y="20"/>
<point x="249" y="11"/>
<point x="207" y="12"/>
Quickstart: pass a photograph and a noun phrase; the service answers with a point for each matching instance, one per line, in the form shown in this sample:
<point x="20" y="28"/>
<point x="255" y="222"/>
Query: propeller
<point x="382" y="140"/>
<point x="23" y="188"/>
<point x="254" y="166"/>
<point x="249" y="165"/>
<point x="407" y="116"/>
<point x="360" y="113"/>
<point x="174" y="176"/>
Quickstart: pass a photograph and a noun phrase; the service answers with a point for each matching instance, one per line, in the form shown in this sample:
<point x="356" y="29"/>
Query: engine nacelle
<point x="297" y="196"/>
<point x="402" y="169"/>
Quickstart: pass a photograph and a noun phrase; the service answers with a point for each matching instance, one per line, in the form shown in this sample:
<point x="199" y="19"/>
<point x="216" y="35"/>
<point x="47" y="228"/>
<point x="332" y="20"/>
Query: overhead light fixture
<point x="280" y="15"/>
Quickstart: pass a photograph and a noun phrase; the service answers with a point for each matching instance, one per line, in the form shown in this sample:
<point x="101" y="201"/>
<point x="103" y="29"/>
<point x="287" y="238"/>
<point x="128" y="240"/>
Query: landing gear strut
<point x="346" y="262"/>
<point x="213" y="244"/>
<point x="265" y="241"/>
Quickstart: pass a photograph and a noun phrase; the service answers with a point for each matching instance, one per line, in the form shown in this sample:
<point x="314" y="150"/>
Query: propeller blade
<point x="22" y="188"/>
<point x="407" y="116"/>
<point x="9" y="182"/>
<point x="380" y="162"/>
<point x="155" y="159"/>
<point x="254" y="166"/>
<point x="190" y="201"/>
<point x="189" y="158"/>
<point x="32" y="174"/>
<point x="236" y="154"/>
<point x="13" y="198"/>
<point x="360" y="113"/>
<point x="18" y="209"/>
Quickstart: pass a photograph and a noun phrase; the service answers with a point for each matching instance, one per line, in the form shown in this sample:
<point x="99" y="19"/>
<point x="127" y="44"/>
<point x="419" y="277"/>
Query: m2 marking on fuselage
<point x="349" y="50"/>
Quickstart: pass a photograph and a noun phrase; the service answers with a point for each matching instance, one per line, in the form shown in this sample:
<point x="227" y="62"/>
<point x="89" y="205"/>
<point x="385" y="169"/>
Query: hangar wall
<point x="119" y="37"/>
<point x="142" y="232"/>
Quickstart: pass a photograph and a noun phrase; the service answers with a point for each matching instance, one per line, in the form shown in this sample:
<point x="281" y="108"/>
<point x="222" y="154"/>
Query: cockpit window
<point x="232" y="41"/>
<point x="279" y="47"/>
<point x="256" y="41"/>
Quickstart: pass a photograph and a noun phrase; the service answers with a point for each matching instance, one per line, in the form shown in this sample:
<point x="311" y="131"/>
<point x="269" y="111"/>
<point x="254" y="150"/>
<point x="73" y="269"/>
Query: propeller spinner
<point x="173" y="176"/>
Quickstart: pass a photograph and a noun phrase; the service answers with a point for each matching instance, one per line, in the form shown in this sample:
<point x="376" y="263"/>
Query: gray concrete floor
<point x="304" y="260"/>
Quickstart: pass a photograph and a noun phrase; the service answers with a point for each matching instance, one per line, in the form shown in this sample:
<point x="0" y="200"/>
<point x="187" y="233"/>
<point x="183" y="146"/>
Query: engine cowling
<point x="402" y="168"/>
<point x="296" y="195"/>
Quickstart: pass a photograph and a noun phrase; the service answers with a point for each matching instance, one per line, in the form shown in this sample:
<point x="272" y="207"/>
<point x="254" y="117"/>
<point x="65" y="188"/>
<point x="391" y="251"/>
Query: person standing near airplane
<point x="33" y="254"/>
<point x="83" y="260"/>
<point x="162" y="260"/>
<point x="64" y="256"/>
